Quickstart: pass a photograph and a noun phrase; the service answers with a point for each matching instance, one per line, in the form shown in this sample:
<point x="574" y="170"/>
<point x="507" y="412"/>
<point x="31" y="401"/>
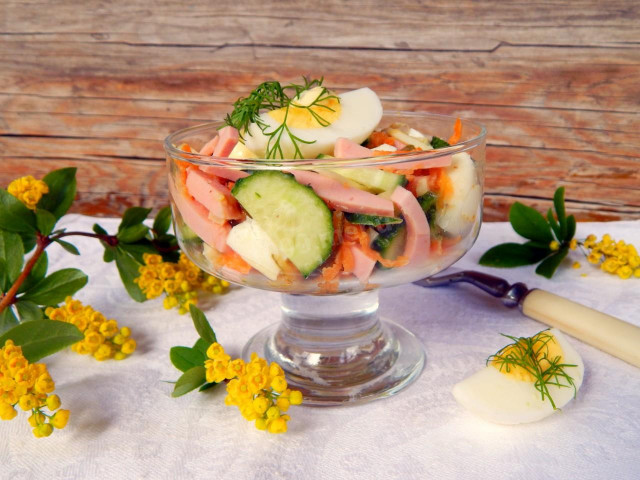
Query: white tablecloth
<point x="124" y="423"/>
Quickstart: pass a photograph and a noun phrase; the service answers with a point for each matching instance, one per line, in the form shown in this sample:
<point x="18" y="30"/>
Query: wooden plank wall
<point x="98" y="85"/>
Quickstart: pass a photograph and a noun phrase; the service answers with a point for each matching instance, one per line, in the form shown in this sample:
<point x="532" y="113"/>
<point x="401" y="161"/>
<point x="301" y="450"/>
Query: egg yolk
<point x="306" y="112"/>
<point x="543" y="348"/>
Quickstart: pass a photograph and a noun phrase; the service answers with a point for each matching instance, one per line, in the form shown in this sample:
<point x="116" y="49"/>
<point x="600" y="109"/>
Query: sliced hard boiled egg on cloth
<point x="524" y="381"/>
<point x="317" y="118"/>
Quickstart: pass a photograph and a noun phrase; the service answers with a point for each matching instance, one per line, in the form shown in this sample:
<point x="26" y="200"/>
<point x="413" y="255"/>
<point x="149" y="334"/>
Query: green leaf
<point x="549" y="265"/>
<point x="133" y="233"/>
<point x="571" y="228"/>
<point x="8" y="320"/>
<point x="133" y="216"/>
<point x="128" y="268"/>
<point x="99" y="230"/>
<point x="41" y="338"/>
<point x="507" y="255"/>
<point x="529" y="223"/>
<point x="69" y="247"/>
<point x="11" y="251"/>
<point x="190" y="380"/>
<point x="558" y="204"/>
<point x="171" y="256"/>
<point x="207" y="386"/>
<point x="14" y="216"/>
<point x="45" y="221"/>
<point x="28" y="311"/>
<point x="62" y="191"/>
<point x="109" y="254"/>
<point x="162" y="221"/>
<point x="184" y="358"/>
<point x="202" y="346"/>
<point x="539" y="246"/>
<point x="555" y="226"/>
<point x="37" y="273"/>
<point x="137" y="250"/>
<point x="28" y="241"/>
<point x="53" y="289"/>
<point x="202" y="325"/>
<point x="4" y="283"/>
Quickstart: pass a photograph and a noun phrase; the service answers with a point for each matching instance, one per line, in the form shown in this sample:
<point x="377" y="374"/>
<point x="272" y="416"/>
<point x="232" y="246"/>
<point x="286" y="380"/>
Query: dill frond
<point x="272" y="95"/>
<point x="532" y="355"/>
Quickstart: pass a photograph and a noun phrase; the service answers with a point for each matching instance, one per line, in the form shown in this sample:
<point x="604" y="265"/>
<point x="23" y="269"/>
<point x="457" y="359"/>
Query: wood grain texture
<point x="99" y="87"/>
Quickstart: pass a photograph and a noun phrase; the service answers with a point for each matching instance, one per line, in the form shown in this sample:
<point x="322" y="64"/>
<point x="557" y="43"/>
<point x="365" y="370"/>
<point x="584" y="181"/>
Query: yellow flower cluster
<point x="257" y="388"/>
<point x="29" y="386"/>
<point x="618" y="258"/>
<point x="102" y="338"/>
<point x="28" y="190"/>
<point x="179" y="281"/>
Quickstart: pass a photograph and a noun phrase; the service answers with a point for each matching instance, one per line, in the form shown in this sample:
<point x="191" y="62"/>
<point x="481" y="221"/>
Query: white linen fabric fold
<point x="124" y="423"/>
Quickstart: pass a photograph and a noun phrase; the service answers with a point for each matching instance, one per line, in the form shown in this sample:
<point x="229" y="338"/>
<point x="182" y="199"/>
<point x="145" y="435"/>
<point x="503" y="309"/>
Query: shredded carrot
<point x="343" y="261"/>
<point x="233" y="261"/>
<point x="185" y="147"/>
<point x="331" y="272"/>
<point x="328" y="287"/>
<point x="348" y="262"/>
<point x="440" y="183"/>
<point x="400" y="261"/>
<point x="378" y="138"/>
<point x="457" y="132"/>
<point x="183" y="166"/>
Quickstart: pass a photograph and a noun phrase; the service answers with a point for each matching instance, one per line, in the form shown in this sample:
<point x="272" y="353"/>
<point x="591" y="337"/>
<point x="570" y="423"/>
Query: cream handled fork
<point x="609" y="334"/>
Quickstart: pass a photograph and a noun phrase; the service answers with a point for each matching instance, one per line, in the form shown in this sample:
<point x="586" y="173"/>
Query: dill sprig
<point x="272" y="95"/>
<point x="268" y="95"/>
<point x="532" y="354"/>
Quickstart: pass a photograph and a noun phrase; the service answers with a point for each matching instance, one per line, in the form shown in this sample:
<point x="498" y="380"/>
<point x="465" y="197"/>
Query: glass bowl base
<point x="390" y="360"/>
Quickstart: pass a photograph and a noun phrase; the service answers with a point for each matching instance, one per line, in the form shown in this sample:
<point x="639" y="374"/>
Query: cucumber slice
<point x="363" y="219"/>
<point x="390" y="241"/>
<point x="373" y="179"/>
<point x="428" y="204"/>
<point x="293" y="216"/>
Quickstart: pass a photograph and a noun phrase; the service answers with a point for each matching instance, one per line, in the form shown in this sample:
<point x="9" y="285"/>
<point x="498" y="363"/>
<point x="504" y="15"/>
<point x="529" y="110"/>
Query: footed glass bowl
<point x="330" y="341"/>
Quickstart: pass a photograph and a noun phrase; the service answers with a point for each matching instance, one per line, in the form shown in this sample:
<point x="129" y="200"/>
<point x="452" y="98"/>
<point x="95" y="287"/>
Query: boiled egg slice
<point x="505" y="393"/>
<point x="255" y="247"/>
<point x="317" y="118"/>
<point x="461" y="205"/>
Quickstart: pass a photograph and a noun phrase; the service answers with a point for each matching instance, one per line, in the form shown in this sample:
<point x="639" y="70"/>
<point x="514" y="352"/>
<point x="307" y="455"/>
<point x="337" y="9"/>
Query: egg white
<point x="500" y="398"/>
<point x="361" y="112"/>
<point x="460" y="209"/>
